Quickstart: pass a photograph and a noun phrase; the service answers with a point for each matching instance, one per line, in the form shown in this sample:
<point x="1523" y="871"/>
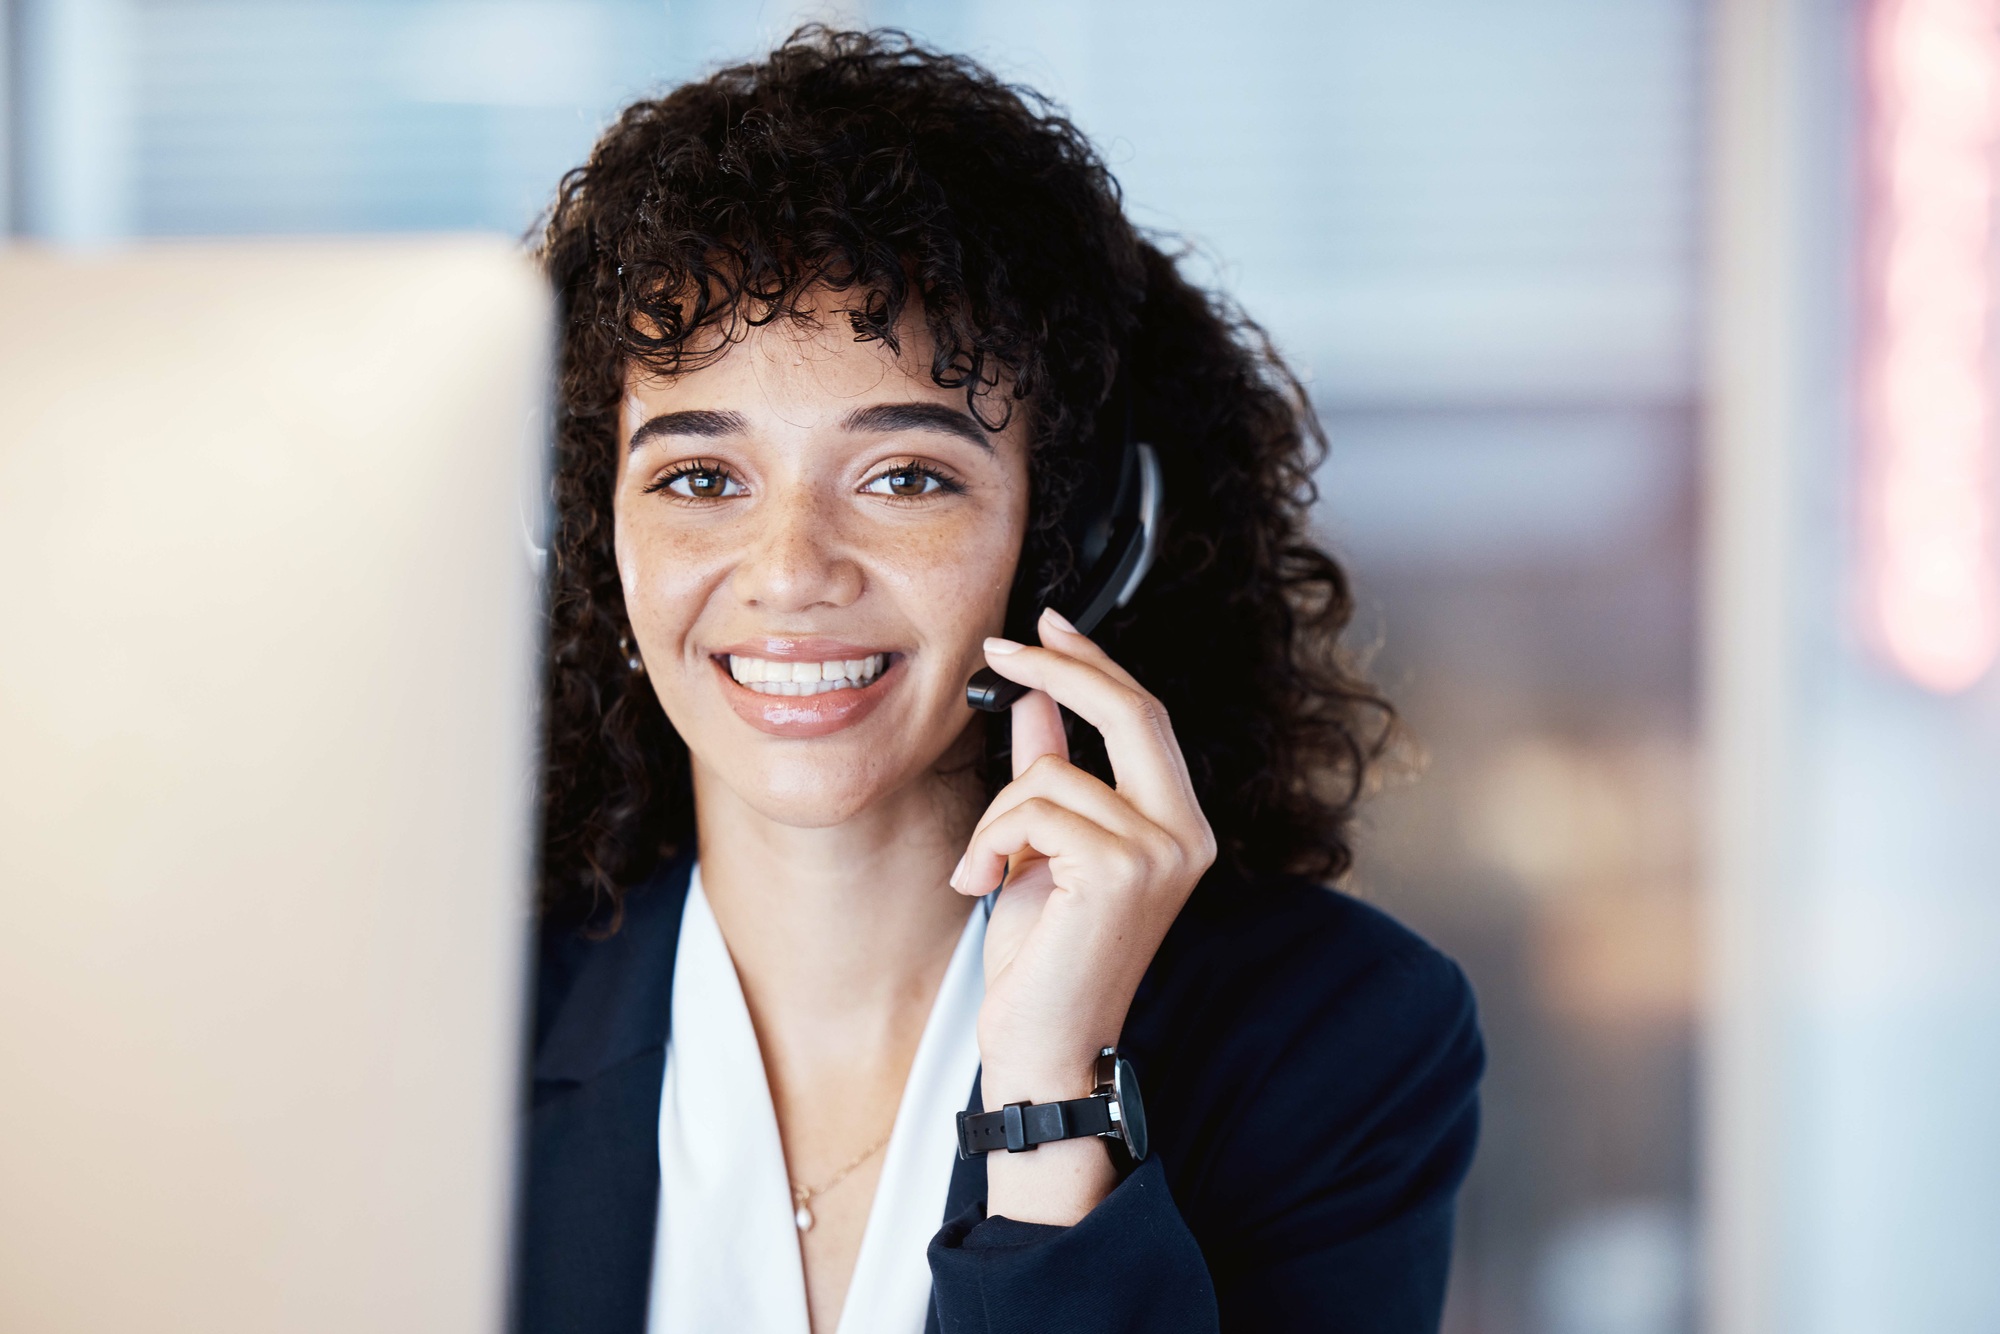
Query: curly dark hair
<point x="863" y="164"/>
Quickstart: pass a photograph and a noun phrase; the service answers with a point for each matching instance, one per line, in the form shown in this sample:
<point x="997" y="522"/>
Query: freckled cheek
<point x="958" y="576"/>
<point x="668" y="579"/>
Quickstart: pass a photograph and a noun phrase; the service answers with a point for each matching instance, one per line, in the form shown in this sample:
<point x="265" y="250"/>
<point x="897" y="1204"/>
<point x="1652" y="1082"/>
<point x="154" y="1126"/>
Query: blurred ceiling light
<point x="1930" y="568"/>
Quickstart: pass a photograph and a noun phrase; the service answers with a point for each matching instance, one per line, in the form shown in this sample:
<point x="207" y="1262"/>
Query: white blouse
<point x="726" y="1252"/>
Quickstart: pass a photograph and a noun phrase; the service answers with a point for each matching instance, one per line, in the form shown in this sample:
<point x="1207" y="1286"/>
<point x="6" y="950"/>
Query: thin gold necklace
<point x="802" y="1196"/>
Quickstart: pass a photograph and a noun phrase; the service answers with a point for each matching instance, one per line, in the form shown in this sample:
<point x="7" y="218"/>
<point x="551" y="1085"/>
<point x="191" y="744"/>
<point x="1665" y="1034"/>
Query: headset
<point x="1117" y="547"/>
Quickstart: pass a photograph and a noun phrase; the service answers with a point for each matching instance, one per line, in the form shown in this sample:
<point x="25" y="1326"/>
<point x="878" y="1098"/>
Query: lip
<point x="804" y="717"/>
<point x="798" y="650"/>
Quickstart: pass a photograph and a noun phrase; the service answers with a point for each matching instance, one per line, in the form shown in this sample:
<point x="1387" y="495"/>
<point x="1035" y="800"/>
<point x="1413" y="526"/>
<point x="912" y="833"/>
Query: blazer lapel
<point x="590" y="1183"/>
<point x="968" y="1175"/>
<point x="967" y="1188"/>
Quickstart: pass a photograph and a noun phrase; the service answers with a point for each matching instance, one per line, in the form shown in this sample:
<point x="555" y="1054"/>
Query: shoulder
<point x="602" y="994"/>
<point x="1288" y="952"/>
<point x="1304" y="1050"/>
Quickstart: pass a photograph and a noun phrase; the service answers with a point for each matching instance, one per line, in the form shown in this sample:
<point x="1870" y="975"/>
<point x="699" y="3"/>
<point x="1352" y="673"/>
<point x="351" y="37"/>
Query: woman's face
<point x="813" y="539"/>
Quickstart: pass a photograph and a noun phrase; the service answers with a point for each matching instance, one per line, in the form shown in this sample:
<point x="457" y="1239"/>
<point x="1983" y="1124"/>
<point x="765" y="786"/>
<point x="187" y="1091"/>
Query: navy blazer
<point x="1310" y="1070"/>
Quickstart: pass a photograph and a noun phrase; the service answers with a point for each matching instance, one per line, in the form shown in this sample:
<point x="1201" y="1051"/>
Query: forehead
<point x="802" y="369"/>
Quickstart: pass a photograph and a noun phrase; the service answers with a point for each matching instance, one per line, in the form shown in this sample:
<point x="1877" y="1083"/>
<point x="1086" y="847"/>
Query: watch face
<point x="1131" y="1111"/>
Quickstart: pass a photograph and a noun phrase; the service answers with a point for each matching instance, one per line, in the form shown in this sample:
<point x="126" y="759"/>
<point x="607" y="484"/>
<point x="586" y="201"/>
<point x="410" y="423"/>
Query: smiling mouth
<point x="768" y="676"/>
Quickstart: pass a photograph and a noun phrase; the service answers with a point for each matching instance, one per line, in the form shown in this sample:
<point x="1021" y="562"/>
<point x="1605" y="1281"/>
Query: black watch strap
<point x="1112" y="1112"/>
<point x="1023" y="1125"/>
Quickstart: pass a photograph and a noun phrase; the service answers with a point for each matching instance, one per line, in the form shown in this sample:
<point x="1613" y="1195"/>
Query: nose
<point x="795" y="560"/>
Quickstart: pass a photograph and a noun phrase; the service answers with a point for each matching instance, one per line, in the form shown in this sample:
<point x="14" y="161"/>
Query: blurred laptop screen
<point x="268" y="597"/>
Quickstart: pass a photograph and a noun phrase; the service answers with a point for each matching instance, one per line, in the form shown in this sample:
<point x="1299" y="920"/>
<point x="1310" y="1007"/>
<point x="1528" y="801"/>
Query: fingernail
<point x="1002" y="646"/>
<point x="957" y="871"/>
<point x="1058" y="620"/>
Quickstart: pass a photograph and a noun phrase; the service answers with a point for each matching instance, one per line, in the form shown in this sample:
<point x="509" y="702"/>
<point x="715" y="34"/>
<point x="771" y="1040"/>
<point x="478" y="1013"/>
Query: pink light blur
<point x="1930" y="563"/>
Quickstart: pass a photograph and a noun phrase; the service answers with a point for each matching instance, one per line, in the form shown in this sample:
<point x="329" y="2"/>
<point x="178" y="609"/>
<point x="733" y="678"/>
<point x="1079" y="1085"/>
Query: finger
<point x="1063" y="783"/>
<point x="1081" y="852"/>
<point x="1038" y="730"/>
<point x="1145" y="758"/>
<point x="1057" y="633"/>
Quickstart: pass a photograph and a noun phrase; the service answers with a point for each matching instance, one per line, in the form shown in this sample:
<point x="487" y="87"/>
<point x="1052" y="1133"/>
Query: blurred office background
<point x="1581" y="289"/>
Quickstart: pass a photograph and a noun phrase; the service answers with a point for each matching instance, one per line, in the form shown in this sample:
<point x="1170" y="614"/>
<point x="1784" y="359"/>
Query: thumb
<point x="1038" y="730"/>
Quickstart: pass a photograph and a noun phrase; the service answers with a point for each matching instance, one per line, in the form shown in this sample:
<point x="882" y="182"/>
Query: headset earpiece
<point x="1131" y="535"/>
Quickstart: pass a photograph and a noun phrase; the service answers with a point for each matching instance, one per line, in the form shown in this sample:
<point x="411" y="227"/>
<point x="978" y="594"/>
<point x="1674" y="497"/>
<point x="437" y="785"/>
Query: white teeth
<point x="769" y="676"/>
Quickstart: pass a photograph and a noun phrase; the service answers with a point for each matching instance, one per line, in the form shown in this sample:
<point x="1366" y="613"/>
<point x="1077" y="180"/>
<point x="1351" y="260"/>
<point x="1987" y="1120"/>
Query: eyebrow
<point x="919" y="417"/>
<point x="882" y="417"/>
<point x="695" y="421"/>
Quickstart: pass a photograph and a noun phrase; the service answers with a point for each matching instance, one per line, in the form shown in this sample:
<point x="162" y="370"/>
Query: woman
<point x="855" y="340"/>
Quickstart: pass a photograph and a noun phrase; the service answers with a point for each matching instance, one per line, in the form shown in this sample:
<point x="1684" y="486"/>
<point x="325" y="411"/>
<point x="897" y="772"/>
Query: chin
<point x="819" y="782"/>
<point x="807" y="795"/>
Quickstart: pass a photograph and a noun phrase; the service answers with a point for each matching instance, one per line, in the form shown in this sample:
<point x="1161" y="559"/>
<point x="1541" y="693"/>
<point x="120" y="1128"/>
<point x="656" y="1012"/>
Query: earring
<point x="633" y="662"/>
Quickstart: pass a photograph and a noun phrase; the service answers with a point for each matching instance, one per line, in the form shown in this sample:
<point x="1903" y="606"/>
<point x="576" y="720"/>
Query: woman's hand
<point x="1094" y="877"/>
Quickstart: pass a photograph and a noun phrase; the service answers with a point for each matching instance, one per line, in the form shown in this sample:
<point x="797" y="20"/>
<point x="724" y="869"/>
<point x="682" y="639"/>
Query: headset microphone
<point x="1114" y="576"/>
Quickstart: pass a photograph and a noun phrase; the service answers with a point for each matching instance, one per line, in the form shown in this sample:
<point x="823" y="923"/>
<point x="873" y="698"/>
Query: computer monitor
<point x="269" y="515"/>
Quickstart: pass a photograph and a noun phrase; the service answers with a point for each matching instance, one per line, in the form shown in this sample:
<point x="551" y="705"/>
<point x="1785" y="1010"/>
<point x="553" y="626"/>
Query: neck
<point x="838" y="933"/>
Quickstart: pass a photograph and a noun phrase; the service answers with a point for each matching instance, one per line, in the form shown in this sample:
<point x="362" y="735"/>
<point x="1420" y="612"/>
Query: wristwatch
<point x="1113" y="1112"/>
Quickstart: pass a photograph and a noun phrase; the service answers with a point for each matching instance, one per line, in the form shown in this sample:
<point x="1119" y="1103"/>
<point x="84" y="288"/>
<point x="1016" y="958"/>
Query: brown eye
<point x="908" y="482"/>
<point x="699" y="483"/>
